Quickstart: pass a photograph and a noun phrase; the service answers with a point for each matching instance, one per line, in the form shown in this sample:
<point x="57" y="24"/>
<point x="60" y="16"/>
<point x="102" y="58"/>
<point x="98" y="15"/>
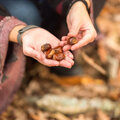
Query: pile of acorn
<point x="57" y="52"/>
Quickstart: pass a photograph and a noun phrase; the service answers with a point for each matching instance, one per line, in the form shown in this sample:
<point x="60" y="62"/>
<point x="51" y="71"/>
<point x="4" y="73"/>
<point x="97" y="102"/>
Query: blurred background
<point x="92" y="95"/>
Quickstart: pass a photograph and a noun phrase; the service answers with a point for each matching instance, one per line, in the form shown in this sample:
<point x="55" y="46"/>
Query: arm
<point x="11" y="60"/>
<point x="61" y="6"/>
<point x="13" y="34"/>
<point x="80" y="25"/>
<point x="7" y="23"/>
<point x="32" y="41"/>
<point x="78" y="20"/>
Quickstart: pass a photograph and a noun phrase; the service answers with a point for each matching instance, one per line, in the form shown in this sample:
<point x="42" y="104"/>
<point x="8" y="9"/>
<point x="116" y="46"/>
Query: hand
<point x="78" y="22"/>
<point x="33" y="40"/>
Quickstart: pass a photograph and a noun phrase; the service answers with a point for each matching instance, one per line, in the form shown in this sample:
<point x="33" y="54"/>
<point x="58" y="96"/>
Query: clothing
<point x="12" y="60"/>
<point x="21" y="9"/>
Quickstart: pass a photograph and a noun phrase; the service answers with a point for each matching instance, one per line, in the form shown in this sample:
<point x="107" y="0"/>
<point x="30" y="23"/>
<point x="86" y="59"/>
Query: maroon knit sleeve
<point x="11" y="62"/>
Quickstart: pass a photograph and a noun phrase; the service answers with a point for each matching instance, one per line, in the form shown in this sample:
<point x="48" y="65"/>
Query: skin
<point x="33" y="39"/>
<point x="79" y="21"/>
<point x="32" y="42"/>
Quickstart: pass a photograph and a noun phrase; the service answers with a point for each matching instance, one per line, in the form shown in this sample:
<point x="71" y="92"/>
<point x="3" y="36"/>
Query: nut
<point x="58" y="56"/>
<point x="45" y="47"/>
<point x="58" y="49"/>
<point x="53" y="53"/>
<point x="49" y="54"/>
<point x="72" y="40"/>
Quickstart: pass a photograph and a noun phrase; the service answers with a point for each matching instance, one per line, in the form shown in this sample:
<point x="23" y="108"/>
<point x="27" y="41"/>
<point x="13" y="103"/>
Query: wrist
<point x="84" y="3"/>
<point x="88" y="3"/>
<point x="80" y="6"/>
<point x="24" y="31"/>
<point x="14" y="33"/>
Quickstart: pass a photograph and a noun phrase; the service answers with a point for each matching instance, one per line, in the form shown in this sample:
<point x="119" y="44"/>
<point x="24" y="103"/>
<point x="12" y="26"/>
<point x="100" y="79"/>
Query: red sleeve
<point x="6" y="25"/>
<point x="1" y="17"/>
<point x="11" y="61"/>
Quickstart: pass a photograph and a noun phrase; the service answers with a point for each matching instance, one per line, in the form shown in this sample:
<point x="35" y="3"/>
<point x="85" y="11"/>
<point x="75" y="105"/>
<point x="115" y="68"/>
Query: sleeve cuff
<point x="6" y="25"/>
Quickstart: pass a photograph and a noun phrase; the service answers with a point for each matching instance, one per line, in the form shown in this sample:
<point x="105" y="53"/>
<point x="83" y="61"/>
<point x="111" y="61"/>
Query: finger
<point x="50" y="62"/>
<point x="62" y="43"/>
<point x="65" y="63"/>
<point x="47" y="62"/>
<point x="69" y="60"/>
<point x="84" y="41"/>
<point x="69" y="54"/>
<point x="64" y="38"/>
<point x="66" y="47"/>
<point x="56" y="44"/>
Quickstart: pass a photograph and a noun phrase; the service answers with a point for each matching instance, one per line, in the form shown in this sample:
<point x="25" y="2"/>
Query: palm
<point x="32" y="42"/>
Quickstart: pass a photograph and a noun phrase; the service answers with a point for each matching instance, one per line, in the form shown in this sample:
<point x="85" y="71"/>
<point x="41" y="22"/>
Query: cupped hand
<point x="33" y="40"/>
<point x="80" y="26"/>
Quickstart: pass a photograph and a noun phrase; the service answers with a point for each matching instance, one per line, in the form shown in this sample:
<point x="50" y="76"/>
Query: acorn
<point x="45" y="47"/>
<point x="72" y="41"/>
<point x="58" y="56"/>
<point x="53" y="53"/>
<point x="49" y="54"/>
<point x="58" y="49"/>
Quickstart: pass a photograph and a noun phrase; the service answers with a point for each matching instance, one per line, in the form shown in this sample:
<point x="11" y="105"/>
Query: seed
<point x="53" y="53"/>
<point x="72" y="40"/>
<point x="50" y="53"/>
<point x="45" y="47"/>
<point x="58" y="49"/>
<point x="58" y="56"/>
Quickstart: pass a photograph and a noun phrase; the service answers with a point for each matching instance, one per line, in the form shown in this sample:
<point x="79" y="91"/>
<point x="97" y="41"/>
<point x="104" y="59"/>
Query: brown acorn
<point x="72" y="40"/>
<point x="58" y="56"/>
<point x="50" y="53"/>
<point x="58" y="49"/>
<point x="55" y="53"/>
<point x="45" y="47"/>
<point x="47" y="52"/>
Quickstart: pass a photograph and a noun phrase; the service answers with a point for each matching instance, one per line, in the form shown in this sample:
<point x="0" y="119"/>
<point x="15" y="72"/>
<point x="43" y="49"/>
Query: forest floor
<point x="94" y="95"/>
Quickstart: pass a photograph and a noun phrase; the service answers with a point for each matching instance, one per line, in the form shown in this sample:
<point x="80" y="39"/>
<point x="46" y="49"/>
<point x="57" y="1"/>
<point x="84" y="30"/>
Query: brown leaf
<point x="102" y="115"/>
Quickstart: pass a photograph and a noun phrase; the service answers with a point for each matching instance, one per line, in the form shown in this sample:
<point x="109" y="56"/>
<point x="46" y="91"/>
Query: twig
<point x="91" y="62"/>
<point x="72" y="105"/>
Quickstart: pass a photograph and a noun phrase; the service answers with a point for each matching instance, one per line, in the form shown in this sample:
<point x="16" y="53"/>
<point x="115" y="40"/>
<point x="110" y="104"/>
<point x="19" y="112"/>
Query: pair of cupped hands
<point x="77" y="20"/>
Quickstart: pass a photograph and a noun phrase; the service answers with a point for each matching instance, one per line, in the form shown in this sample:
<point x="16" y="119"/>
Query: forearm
<point x="88" y="3"/>
<point x="13" y="34"/>
<point x="9" y="29"/>
<point x="67" y="3"/>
